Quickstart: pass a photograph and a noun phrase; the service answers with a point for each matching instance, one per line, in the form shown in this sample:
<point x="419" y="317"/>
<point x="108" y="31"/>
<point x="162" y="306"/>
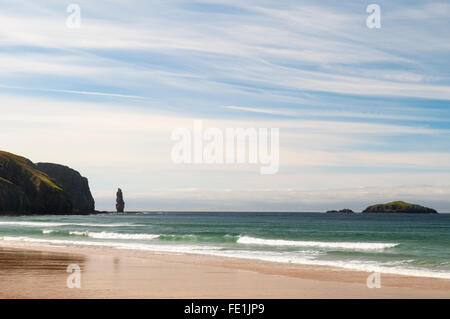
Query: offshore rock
<point x="120" y="204"/>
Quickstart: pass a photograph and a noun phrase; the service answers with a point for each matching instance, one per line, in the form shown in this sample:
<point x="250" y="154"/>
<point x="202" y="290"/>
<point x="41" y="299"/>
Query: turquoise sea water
<point x="417" y="245"/>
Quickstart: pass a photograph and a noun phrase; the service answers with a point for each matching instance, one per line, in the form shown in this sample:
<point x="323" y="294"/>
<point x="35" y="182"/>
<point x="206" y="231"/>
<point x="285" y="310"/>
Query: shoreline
<point x="118" y="273"/>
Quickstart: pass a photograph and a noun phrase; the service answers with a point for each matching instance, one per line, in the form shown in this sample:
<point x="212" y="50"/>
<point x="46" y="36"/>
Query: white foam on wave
<point x="108" y="235"/>
<point x="134" y="246"/>
<point x="32" y="224"/>
<point x="52" y="224"/>
<point x="365" y="266"/>
<point x="321" y="244"/>
<point x="78" y="233"/>
<point x="47" y="231"/>
<point x="103" y="225"/>
<point x="304" y="257"/>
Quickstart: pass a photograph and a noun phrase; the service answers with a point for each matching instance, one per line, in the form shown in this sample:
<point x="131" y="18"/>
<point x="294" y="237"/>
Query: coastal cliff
<point x="26" y="189"/>
<point x="73" y="183"/>
<point x="399" y="207"/>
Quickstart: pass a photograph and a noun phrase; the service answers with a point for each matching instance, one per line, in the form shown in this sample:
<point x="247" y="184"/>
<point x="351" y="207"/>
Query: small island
<point x="342" y="211"/>
<point x="398" y="207"/>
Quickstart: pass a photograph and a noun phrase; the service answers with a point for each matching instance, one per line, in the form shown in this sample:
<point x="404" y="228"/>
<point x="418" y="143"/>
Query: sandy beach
<point x="39" y="271"/>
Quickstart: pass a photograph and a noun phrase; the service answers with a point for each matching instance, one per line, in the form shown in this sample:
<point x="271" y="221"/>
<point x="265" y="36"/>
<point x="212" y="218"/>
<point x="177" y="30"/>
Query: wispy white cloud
<point x="263" y="46"/>
<point x="259" y="110"/>
<point x="354" y="159"/>
<point x="97" y="128"/>
<point x="335" y="114"/>
<point x="72" y="92"/>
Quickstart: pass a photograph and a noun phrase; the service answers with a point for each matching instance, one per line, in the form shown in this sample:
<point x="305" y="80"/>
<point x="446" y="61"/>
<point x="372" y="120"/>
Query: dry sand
<point x="39" y="271"/>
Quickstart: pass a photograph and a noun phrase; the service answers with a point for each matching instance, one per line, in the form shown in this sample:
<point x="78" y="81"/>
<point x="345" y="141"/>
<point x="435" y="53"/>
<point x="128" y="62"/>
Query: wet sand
<point x="39" y="271"/>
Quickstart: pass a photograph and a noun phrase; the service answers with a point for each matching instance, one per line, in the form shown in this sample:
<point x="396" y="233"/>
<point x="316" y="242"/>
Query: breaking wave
<point x="321" y="244"/>
<point x="108" y="235"/>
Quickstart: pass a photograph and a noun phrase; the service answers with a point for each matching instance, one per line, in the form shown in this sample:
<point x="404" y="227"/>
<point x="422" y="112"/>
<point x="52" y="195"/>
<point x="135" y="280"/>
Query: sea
<point x="405" y="244"/>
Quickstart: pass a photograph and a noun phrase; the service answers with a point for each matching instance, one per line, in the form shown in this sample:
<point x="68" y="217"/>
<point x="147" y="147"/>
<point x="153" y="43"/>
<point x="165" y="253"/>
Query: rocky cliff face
<point x="12" y="198"/>
<point x="399" y="207"/>
<point x="73" y="183"/>
<point x="27" y="189"/>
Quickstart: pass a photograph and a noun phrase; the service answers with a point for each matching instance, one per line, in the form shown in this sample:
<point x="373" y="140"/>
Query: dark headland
<point x="42" y="188"/>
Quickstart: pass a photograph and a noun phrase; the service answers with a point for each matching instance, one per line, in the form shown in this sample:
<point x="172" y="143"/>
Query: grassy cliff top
<point x="399" y="203"/>
<point x="26" y="165"/>
<point x="4" y="180"/>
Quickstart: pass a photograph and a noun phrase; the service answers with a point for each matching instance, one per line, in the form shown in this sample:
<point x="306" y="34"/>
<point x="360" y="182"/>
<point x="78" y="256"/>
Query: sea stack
<point x="120" y="204"/>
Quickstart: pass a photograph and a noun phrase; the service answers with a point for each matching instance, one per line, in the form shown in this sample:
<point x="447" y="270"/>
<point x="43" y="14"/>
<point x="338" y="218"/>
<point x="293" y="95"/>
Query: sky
<point x="363" y="113"/>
